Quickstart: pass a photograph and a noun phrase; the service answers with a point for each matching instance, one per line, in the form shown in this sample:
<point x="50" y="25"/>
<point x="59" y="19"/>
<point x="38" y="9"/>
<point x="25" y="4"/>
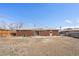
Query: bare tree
<point x="11" y="26"/>
<point x="15" y="25"/>
<point x="3" y="25"/>
<point x="19" y="25"/>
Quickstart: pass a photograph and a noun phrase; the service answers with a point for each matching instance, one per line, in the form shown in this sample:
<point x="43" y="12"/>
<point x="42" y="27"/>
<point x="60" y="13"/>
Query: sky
<point x="41" y="14"/>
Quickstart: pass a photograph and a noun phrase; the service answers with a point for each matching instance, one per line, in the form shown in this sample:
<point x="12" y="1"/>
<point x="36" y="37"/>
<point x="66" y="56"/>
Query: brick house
<point x="37" y="32"/>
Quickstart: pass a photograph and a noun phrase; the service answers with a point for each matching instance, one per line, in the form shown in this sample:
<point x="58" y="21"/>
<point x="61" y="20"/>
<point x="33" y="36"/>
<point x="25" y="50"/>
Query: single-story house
<point x="37" y="32"/>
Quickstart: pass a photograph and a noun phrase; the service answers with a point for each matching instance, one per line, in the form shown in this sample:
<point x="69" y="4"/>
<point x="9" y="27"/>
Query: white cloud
<point x="68" y="21"/>
<point x="77" y="21"/>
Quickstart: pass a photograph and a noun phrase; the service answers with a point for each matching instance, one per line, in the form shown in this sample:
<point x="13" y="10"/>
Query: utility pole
<point x="34" y="30"/>
<point x="60" y="28"/>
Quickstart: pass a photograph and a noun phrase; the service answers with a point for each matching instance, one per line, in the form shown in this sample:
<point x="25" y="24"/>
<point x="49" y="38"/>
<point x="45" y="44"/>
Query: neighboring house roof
<point x="71" y="29"/>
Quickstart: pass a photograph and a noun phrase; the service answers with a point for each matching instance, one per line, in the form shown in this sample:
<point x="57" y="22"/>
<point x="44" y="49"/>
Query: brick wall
<point x="24" y="33"/>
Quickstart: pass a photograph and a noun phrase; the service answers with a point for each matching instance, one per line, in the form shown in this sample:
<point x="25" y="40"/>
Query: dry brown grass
<point x="39" y="46"/>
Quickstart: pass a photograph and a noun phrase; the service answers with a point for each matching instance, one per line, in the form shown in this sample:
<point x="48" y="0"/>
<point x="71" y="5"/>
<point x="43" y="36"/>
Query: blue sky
<point x="42" y="15"/>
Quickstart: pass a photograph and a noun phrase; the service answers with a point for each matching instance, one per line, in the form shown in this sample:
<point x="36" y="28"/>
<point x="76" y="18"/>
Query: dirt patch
<point x="39" y="46"/>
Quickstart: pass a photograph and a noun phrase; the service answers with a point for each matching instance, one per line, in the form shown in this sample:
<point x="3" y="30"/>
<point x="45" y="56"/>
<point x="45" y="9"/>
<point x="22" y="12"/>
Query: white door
<point x="50" y="34"/>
